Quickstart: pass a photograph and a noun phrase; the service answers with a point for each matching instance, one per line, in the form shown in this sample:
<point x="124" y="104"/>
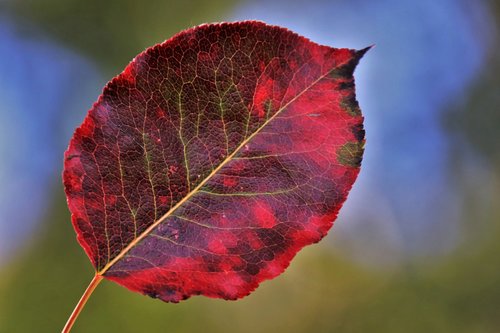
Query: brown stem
<point x="81" y="303"/>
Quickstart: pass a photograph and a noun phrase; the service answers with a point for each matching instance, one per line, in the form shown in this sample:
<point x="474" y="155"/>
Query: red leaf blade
<point x="214" y="158"/>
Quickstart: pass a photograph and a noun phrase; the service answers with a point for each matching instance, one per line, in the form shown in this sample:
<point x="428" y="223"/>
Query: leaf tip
<point x="360" y="53"/>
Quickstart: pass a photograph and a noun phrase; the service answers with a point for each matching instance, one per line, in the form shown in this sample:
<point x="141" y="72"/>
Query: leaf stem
<point x="81" y="303"/>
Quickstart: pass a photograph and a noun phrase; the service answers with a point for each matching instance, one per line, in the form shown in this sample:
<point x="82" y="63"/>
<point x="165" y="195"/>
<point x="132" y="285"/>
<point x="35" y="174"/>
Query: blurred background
<point x="416" y="246"/>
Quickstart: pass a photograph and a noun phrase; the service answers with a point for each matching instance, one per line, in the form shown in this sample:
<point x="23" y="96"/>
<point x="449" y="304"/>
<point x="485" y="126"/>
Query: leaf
<point x="213" y="159"/>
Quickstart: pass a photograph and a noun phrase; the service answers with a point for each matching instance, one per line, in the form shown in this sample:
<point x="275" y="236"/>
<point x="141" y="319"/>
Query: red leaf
<point x="213" y="159"/>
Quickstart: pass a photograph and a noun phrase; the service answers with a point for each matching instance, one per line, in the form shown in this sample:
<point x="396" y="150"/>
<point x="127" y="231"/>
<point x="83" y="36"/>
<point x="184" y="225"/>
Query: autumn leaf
<point x="213" y="158"/>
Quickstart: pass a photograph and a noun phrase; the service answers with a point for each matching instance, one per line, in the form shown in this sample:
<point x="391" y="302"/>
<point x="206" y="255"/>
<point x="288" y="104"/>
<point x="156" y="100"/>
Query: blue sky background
<point x="38" y="100"/>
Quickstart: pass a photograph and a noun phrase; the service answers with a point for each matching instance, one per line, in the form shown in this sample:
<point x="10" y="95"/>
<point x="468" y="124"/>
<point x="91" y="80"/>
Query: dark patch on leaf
<point x="351" y="105"/>
<point x="350" y="154"/>
<point x="358" y="131"/>
<point x="252" y="269"/>
<point x="346" y="85"/>
<point x="347" y="69"/>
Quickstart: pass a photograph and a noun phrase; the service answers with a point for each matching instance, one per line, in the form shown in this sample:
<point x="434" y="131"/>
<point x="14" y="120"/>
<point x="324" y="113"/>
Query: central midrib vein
<point x="146" y="232"/>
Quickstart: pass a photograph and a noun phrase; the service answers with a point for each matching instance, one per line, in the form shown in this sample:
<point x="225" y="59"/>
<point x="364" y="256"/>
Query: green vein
<point x="211" y="226"/>
<point x="222" y="111"/>
<point x="248" y="194"/>
<point x="105" y="206"/>
<point x="132" y="211"/>
<point x="147" y="157"/>
<point x="184" y="146"/>
<point x="189" y="246"/>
